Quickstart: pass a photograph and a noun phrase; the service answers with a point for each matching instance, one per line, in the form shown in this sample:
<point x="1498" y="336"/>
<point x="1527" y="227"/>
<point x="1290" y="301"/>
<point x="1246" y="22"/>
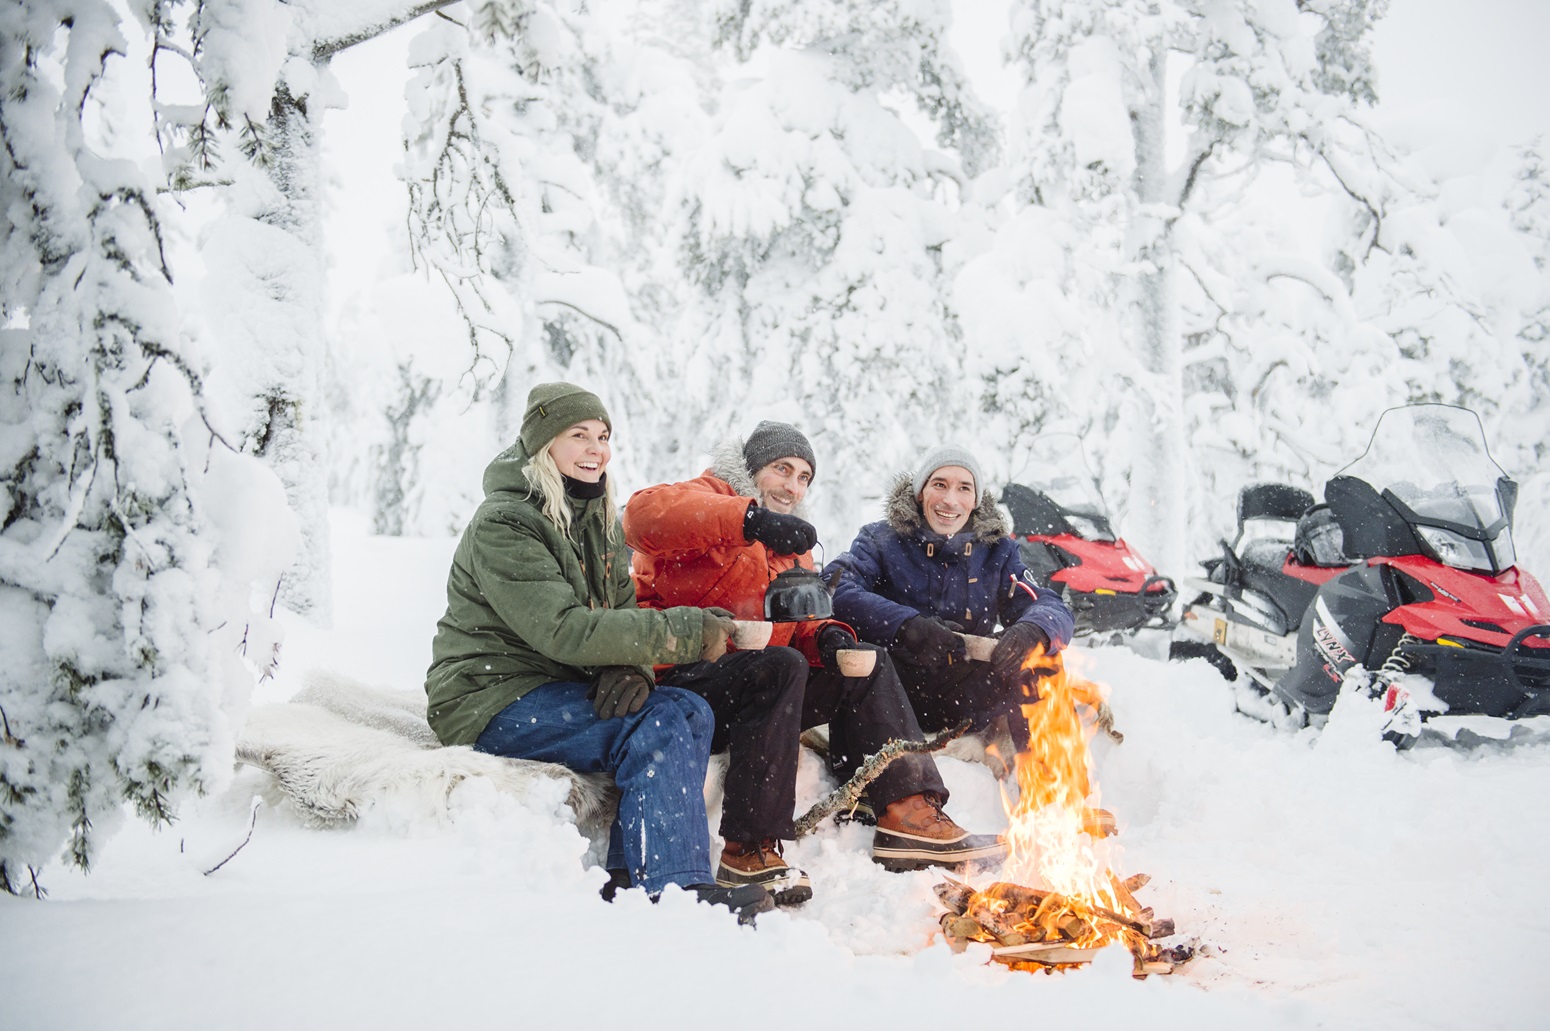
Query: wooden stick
<point x="1042" y="953"/>
<point x="1105" y="721"/>
<point x="1124" y="921"/>
<point x="1122" y="891"/>
<point x="955" y="895"/>
<point x="849" y="793"/>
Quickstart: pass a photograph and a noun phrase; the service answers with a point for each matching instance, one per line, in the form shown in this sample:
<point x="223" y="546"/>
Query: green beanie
<point x="553" y="408"/>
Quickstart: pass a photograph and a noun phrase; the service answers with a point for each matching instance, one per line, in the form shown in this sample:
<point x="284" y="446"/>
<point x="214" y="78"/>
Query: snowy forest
<point x="1183" y="238"/>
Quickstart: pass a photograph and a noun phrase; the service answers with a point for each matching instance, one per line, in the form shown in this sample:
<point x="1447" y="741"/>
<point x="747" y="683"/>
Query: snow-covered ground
<point x="1330" y="881"/>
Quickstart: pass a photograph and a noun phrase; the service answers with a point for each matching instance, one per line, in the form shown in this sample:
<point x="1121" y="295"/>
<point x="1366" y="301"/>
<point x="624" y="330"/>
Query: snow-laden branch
<point x="370" y="21"/>
<point x="1291" y="266"/>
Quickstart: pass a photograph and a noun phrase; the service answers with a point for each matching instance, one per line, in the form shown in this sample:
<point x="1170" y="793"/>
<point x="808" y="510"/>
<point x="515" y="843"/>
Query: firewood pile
<point x="1031" y="929"/>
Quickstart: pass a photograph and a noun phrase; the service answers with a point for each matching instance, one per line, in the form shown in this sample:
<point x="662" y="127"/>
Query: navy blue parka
<point x="899" y="567"/>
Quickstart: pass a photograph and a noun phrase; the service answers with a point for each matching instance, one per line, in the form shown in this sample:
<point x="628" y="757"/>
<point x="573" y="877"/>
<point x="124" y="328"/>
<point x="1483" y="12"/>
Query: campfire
<point x="1059" y="841"/>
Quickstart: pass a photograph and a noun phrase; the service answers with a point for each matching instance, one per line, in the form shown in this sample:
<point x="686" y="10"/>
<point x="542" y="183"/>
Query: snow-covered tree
<point x="538" y="141"/>
<point x="262" y="67"/>
<point x="126" y="558"/>
<point x="815" y="223"/>
<point x="1169" y="158"/>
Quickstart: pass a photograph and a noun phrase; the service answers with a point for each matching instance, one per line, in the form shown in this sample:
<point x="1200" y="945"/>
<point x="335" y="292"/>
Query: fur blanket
<point x="339" y="747"/>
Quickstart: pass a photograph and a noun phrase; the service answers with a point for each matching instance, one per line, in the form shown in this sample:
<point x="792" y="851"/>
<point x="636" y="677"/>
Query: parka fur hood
<point x="904" y="515"/>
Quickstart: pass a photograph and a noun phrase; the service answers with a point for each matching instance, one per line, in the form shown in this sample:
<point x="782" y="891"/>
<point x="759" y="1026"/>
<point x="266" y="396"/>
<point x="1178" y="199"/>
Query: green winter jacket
<point x="526" y="606"/>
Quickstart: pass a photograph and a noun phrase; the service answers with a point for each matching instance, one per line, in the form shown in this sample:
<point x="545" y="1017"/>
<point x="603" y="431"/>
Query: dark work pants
<point x="764" y="699"/>
<point x="945" y="696"/>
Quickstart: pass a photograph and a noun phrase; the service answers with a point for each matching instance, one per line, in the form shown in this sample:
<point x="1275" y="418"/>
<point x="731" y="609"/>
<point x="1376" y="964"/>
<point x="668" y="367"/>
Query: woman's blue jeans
<point x="657" y="757"/>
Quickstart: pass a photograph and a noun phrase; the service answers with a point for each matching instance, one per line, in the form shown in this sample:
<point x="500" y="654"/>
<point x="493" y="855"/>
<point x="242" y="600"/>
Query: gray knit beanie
<point x="553" y="408"/>
<point x="772" y="440"/>
<point x="947" y="454"/>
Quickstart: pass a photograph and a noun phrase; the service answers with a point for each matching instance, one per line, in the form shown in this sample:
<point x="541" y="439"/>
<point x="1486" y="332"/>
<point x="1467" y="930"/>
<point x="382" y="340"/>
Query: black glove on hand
<point x="782" y="534"/>
<point x="924" y="641"/>
<point x="830" y="640"/>
<point x="618" y="691"/>
<point x="1016" y="642"/>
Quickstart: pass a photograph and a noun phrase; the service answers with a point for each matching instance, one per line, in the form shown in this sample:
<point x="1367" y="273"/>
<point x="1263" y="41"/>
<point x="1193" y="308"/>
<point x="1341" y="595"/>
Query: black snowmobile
<point x="1402" y="584"/>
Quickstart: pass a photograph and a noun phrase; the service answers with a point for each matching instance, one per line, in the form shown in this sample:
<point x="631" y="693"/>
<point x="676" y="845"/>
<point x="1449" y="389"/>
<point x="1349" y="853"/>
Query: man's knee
<point x="784" y="665"/>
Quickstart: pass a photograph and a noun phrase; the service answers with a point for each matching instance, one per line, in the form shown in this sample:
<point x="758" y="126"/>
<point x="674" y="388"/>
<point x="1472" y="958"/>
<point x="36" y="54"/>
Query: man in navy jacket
<point x="942" y="563"/>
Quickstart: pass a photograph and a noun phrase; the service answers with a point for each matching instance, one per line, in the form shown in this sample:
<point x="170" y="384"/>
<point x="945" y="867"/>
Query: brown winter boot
<point x="760" y="862"/>
<point x="914" y="833"/>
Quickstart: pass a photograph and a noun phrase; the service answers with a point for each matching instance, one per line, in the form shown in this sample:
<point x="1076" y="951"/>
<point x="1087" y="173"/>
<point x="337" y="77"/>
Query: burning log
<point x="1123" y="889"/>
<point x="849" y="793"/>
<point x="1057" y="837"/>
<point x="992" y="915"/>
<point x="1034" y="928"/>
<point x="1016" y="894"/>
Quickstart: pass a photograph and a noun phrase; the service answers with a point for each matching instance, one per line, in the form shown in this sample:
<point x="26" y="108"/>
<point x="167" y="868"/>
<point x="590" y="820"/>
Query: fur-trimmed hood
<point x="727" y="463"/>
<point x="903" y="513"/>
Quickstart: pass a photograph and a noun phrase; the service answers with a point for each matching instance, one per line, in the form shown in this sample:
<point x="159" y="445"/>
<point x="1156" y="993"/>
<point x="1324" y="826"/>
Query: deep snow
<point x="1331" y="882"/>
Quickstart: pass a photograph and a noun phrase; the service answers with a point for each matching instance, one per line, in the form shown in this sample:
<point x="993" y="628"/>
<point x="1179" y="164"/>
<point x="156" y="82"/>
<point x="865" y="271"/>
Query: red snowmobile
<point x="1402" y="584"/>
<point x="1068" y="542"/>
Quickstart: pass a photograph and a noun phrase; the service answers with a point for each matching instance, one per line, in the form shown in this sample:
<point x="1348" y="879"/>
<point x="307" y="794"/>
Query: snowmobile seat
<point x="1278" y="501"/>
<point x="1319" y="540"/>
<point x="1265" y="553"/>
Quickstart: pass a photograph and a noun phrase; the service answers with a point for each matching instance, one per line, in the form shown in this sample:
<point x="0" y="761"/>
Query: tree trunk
<point x="1158" y="482"/>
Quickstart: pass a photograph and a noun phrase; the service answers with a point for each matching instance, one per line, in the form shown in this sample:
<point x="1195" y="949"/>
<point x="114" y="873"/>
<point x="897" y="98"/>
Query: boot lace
<point x="759" y="849"/>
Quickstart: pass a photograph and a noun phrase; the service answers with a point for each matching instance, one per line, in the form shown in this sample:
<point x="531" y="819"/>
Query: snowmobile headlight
<point x="1456" y="550"/>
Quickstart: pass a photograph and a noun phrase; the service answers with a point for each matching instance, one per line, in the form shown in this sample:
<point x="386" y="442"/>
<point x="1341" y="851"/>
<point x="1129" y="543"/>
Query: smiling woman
<point x="544" y="654"/>
<point x="582" y="451"/>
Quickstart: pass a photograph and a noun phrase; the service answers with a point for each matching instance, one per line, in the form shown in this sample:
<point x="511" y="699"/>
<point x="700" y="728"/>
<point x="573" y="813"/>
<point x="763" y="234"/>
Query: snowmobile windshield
<point x="1057" y="466"/>
<point x="1431" y="463"/>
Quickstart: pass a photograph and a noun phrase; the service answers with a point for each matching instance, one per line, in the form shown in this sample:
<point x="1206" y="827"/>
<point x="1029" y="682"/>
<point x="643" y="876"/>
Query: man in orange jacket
<point x="716" y="542"/>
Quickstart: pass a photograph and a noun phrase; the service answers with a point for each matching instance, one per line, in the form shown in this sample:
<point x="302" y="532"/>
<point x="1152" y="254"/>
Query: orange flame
<point x="1058" y="836"/>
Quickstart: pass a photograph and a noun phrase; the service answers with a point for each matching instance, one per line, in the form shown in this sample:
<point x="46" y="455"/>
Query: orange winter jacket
<point x="690" y="550"/>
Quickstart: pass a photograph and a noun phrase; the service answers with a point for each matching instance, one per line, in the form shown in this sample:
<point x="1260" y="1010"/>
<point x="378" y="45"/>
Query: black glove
<point x="830" y="640"/>
<point x="1016" y="642"/>
<point x="926" y="641"/>
<point x="782" y="534"/>
<point x="618" y="691"/>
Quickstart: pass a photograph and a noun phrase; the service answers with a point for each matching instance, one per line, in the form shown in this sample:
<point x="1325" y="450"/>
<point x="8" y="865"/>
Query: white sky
<point x="1477" y="62"/>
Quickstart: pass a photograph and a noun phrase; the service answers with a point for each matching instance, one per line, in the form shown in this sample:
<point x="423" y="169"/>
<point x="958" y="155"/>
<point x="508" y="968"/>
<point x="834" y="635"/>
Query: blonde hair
<point x="545" y="477"/>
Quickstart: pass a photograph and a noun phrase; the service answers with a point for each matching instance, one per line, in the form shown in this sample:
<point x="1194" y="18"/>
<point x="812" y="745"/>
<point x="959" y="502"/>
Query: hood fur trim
<point x="727" y="463"/>
<point x="903" y="512"/>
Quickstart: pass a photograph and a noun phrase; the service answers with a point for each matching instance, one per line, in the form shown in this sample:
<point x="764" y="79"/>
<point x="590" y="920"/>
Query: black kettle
<point x="797" y="595"/>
